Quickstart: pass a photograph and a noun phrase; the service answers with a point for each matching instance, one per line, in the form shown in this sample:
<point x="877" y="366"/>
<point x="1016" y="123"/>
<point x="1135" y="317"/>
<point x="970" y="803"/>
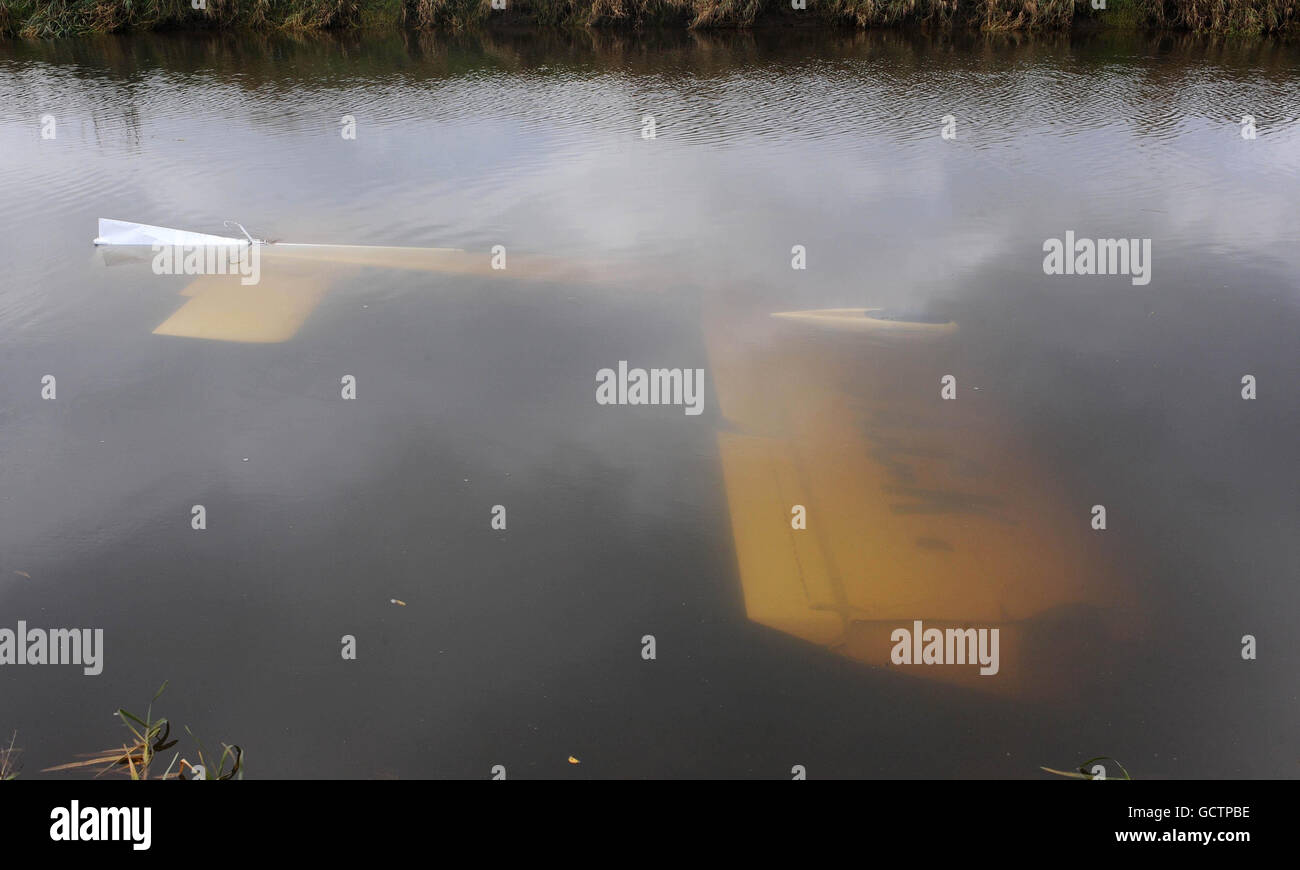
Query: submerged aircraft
<point x="867" y="510"/>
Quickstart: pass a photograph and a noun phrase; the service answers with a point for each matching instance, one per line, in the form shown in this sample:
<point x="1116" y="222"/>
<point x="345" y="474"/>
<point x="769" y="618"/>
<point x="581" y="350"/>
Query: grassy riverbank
<point x="50" y="18"/>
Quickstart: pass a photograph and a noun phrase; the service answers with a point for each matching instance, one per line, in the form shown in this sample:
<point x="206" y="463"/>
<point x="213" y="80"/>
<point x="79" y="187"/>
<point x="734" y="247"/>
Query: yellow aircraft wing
<point x="916" y="508"/>
<point x="223" y="309"/>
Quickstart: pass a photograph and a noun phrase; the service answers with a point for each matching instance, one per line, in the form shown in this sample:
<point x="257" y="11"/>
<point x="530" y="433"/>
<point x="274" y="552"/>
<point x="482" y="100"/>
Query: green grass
<point x="1124" y="14"/>
<point x="52" y="18"/>
<point x="137" y="757"/>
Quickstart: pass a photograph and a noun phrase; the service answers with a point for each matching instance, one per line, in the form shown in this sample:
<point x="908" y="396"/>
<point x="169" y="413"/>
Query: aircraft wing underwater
<point x="223" y="309"/>
<point x="913" y="508"/>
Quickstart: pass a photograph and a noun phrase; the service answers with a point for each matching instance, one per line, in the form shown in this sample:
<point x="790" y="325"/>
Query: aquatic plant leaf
<point x="161" y="743"/>
<point x="134" y="718"/>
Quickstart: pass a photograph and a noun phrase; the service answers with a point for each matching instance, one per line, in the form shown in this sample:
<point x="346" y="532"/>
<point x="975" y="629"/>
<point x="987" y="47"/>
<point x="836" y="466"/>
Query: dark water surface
<point x="522" y="647"/>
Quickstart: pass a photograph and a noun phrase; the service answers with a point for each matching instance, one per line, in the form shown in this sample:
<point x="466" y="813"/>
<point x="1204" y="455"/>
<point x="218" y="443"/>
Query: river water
<point x="654" y="606"/>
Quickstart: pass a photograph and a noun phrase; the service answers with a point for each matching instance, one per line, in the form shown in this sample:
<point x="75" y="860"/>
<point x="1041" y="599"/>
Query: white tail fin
<point x="112" y="232"/>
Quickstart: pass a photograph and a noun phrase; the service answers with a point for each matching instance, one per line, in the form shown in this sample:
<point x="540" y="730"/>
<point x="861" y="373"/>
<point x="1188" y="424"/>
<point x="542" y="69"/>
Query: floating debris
<point x="8" y="763"/>
<point x="399" y="602"/>
<point x="23" y="574"/>
<point x="573" y="760"/>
